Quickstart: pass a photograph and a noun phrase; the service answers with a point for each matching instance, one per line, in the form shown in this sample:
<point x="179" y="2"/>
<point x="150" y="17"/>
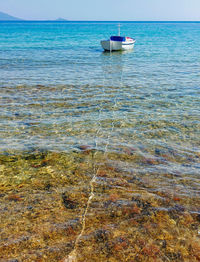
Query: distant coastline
<point x="4" y="17"/>
<point x="8" y="18"/>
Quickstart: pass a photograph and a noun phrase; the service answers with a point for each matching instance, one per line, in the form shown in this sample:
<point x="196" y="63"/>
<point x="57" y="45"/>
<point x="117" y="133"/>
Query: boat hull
<point x="109" y="45"/>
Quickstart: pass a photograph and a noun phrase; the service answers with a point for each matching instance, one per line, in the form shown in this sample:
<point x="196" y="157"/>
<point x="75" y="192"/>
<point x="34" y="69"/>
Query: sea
<point x="99" y="151"/>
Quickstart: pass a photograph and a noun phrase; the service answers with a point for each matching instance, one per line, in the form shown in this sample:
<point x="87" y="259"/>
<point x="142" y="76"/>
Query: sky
<point x="131" y="10"/>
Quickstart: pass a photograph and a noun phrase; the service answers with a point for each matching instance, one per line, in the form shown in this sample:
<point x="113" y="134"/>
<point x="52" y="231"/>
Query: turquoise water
<point x="99" y="152"/>
<point x="70" y="53"/>
<point x="58" y="86"/>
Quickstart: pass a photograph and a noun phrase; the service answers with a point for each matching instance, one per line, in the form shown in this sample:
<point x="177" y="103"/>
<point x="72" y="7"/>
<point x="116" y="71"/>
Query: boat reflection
<point x="117" y="53"/>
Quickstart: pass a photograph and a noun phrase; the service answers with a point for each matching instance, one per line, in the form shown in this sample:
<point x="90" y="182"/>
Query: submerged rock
<point x="68" y="203"/>
<point x="102" y="235"/>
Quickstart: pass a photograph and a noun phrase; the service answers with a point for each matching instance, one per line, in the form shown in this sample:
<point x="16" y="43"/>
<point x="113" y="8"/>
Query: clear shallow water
<point x="158" y="82"/>
<point x="129" y="122"/>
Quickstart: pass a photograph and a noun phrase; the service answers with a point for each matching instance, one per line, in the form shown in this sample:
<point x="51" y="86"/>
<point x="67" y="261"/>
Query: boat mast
<point x="119" y="29"/>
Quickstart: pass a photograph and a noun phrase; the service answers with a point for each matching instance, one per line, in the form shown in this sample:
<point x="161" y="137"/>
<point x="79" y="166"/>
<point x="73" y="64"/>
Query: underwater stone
<point x="2" y="195"/>
<point x="47" y="186"/>
<point x="102" y="235"/>
<point x="157" y="152"/>
<point x="84" y="147"/>
<point x="14" y="198"/>
<point x="68" y="203"/>
<point x="173" y="256"/>
<point x="30" y="208"/>
<point x="198" y="217"/>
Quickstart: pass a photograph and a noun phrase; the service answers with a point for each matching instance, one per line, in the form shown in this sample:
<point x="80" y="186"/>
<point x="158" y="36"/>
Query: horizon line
<point x="108" y="21"/>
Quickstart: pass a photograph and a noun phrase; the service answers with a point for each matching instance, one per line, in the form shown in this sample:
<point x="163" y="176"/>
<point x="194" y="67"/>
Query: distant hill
<point x="61" y="19"/>
<point x="6" y="17"/>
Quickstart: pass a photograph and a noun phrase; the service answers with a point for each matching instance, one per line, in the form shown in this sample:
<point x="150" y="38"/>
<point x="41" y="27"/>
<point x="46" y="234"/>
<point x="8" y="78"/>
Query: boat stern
<point x="109" y="45"/>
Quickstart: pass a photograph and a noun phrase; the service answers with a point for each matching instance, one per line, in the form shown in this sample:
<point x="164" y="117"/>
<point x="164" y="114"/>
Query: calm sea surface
<point x="123" y="127"/>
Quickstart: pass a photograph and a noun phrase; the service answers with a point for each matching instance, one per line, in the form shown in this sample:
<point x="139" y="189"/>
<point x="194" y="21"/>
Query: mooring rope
<point x="72" y="257"/>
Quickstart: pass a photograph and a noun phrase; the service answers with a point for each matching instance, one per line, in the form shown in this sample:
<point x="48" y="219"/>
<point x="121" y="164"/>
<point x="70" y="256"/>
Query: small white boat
<point x="117" y="43"/>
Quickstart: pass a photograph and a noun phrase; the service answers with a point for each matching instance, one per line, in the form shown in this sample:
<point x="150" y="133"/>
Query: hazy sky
<point x="103" y="9"/>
